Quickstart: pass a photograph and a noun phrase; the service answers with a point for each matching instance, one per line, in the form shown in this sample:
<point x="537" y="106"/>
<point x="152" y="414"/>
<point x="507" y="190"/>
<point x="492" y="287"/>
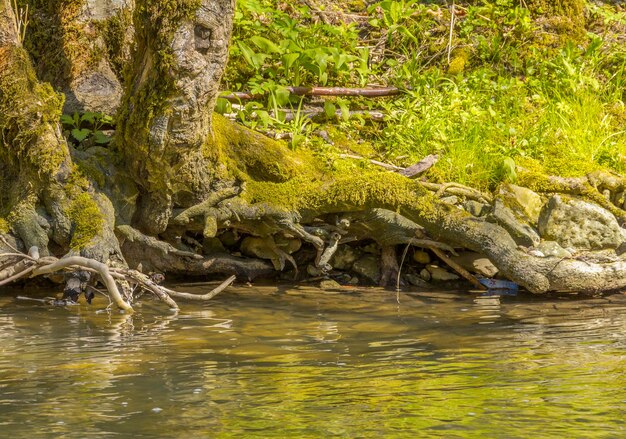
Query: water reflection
<point x="277" y="362"/>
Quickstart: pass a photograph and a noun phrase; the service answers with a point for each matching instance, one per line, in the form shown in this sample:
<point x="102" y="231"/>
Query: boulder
<point x="329" y="284"/>
<point x="416" y="281"/>
<point x="421" y="257"/>
<point x="452" y="200"/>
<point x="344" y="257"/>
<point x="528" y="201"/>
<point x="475" y="208"/>
<point x="575" y="223"/>
<point x="440" y="274"/>
<point x="476" y="263"/>
<point x="515" y="223"/>
<point x="368" y="266"/>
<point x="552" y="248"/>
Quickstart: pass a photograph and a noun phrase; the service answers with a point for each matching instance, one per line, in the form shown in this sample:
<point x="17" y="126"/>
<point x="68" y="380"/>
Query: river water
<point x="294" y="362"/>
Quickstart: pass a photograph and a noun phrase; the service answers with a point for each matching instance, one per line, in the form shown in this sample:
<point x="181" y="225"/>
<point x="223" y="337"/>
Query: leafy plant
<point x="82" y="128"/>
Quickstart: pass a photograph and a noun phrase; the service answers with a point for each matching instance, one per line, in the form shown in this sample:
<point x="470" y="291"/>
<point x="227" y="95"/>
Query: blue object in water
<point x="500" y="287"/>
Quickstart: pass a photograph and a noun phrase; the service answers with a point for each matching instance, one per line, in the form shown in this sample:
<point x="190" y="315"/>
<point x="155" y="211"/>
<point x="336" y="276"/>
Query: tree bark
<point x="165" y="121"/>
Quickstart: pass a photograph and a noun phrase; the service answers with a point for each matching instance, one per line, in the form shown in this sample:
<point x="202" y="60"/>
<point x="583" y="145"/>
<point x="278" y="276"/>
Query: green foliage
<point x="86" y="129"/>
<point x="524" y="87"/>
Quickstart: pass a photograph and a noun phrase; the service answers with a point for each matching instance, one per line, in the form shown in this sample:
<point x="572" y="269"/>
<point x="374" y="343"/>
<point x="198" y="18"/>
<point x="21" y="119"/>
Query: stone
<point x="313" y="271"/>
<point x="530" y="202"/>
<point x="416" y="281"/>
<point x="368" y="266"/>
<point x="452" y="200"/>
<point x="440" y="274"/>
<point x="475" y="208"/>
<point x="344" y="257"/>
<point x="521" y="232"/>
<point x="476" y="263"/>
<point x="421" y="257"/>
<point x="575" y="223"/>
<point x="329" y="284"/>
<point x="353" y="281"/>
<point x="552" y="248"/>
<point x="425" y="275"/>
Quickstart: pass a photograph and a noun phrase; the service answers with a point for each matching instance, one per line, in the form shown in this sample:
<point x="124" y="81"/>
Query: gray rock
<point x="452" y="199"/>
<point x="425" y="275"/>
<point x="440" y="274"/>
<point x="476" y="263"/>
<point x="476" y="208"/>
<point x="102" y="9"/>
<point x="528" y="201"/>
<point x="416" y="281"/>
<point x="344" y="257"/>
<point x="575" y="223"/>
<point x="368" y="266"/>
<point x="514" y="223"/>
<point x="552" y="248"/>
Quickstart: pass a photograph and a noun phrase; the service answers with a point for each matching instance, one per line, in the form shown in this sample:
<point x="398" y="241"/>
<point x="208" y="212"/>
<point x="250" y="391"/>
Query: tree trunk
<point x="165" y="120"/>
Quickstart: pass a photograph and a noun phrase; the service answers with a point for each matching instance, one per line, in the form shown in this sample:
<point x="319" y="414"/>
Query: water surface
<point x="295" y="362"/>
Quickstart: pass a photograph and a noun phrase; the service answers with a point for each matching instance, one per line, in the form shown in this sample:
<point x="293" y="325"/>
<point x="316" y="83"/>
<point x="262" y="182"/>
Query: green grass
<point x="514" y="92"/>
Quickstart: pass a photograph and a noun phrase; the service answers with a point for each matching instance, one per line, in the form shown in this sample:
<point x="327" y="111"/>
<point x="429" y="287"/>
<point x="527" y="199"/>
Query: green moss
<point x="344" y="192"/>
<point x="4" y="226"/>
<point x="566" y="17"/>
<point x="28" y="112"/>
<point x="116" y="32"/>
<point x="458" y="61"/>
<point x="87" y="220"/>
<point x="60" y="44"/>
<point x="250" y="155"/>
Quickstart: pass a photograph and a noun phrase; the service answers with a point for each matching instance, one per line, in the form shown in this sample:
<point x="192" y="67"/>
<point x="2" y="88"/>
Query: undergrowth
<point x="509" y="88"/>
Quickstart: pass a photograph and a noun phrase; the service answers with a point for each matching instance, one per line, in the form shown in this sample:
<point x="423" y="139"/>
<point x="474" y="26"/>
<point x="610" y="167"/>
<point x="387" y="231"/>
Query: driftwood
<point x="30" y="265"/>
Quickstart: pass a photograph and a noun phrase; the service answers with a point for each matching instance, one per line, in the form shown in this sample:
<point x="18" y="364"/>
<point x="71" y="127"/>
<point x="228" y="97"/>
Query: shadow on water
<point x="301" y="362"/>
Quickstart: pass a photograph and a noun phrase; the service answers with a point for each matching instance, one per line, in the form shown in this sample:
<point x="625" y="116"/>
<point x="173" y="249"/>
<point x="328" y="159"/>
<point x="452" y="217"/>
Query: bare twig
<point x="452" y="18"/>
<point x="456" y="267"/>
<point x="204" y="297"/>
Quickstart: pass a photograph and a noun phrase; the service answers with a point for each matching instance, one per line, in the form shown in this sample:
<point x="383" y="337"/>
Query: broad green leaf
<point x="330" y="109"/>
<point x="100" y="138"/>
<point x="290" y="58"/>
<point x="265" y="45"/>
<point x="80" y="134"/>
<point x="66" y="119"/>
<point x="88" y="117"/>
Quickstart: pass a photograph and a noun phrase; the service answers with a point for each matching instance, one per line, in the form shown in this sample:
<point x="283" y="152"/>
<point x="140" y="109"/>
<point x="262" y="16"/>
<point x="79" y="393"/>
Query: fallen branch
<point x="319" y="91"/>
<point x="456" y="267"/>
<point x="204" y="297"/>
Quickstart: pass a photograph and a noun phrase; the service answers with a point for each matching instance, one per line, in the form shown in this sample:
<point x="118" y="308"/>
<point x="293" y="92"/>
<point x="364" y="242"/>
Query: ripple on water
<point x="261" y="362"/>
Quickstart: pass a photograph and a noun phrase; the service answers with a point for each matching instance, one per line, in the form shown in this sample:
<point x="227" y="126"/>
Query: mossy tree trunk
<point x="164" y="129"/>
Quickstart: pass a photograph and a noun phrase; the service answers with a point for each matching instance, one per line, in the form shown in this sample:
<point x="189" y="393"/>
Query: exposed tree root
<point x="31" y="265"/>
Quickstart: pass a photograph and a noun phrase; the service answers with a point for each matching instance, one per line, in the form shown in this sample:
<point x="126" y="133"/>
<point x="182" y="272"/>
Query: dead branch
<point x="204" y="297"/>
<point x="102" y="269"/>
<point x="456" y="267"/>
<point x="320" y="91"/>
